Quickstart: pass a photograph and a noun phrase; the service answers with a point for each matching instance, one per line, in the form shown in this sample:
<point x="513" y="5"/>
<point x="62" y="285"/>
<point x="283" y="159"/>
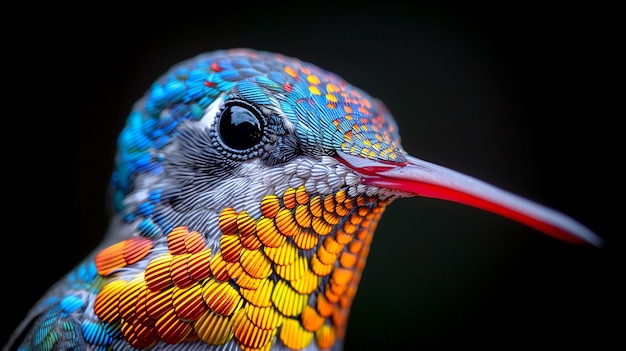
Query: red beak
<point x="430" y="180"/>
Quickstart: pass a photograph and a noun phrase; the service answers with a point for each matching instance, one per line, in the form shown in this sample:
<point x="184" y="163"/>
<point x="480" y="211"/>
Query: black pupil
<point x="240" y="127"/>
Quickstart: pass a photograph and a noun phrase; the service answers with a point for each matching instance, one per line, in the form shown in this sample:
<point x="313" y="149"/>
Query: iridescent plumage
<point x="246" y="191"/>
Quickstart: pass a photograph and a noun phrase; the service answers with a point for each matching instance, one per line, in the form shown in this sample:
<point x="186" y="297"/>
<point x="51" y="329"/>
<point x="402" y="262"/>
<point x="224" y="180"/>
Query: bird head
<point x="228" y="128"/>
<point x="258" y="180"/>
<point x="250" y="124"/>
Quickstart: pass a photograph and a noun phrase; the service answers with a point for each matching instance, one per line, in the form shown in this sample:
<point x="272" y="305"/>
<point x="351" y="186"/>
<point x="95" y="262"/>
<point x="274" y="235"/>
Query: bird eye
<point x="241" y="125"/>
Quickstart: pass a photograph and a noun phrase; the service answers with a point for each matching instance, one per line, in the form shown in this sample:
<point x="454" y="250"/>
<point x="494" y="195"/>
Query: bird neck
<point x="290" y="273"/>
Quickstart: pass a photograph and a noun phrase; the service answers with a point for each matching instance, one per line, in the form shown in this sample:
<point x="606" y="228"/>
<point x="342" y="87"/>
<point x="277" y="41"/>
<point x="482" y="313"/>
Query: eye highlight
<point x="241" y="125"/>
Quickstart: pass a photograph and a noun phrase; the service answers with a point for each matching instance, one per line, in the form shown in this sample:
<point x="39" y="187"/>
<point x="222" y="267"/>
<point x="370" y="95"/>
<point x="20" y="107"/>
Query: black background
<point x="521" y="96"/>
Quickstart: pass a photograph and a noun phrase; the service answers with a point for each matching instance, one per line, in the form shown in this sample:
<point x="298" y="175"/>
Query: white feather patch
<point x="211" y="111"/>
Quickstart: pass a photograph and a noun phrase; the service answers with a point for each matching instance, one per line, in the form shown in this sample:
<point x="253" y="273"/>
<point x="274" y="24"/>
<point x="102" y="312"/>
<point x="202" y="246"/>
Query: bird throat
<point x="288" y="276"/>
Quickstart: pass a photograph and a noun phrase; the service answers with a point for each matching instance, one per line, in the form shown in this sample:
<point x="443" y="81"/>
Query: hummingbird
<point x="246" y="189"/>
